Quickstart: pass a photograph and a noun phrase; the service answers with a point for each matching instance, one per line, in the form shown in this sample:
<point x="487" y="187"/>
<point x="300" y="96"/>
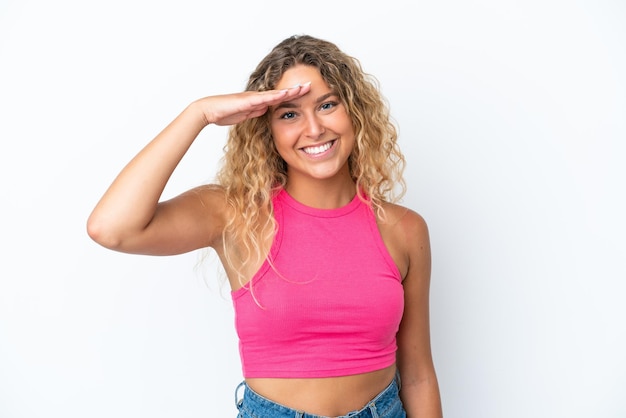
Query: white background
<point x="512" y="117"/>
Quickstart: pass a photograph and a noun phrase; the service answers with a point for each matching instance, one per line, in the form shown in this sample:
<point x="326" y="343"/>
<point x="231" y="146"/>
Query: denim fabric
<point x="386" y="404"/>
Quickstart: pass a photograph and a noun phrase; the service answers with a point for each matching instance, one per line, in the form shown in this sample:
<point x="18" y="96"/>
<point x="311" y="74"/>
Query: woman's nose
<point x="314" y="127"/>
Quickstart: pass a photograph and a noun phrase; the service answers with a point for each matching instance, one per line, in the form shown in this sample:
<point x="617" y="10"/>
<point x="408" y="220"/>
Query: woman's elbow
<point x="99" y="231"/>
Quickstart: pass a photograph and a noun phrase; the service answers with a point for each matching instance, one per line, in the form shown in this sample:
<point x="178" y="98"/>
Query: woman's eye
<point x="328" y="105"/>
<point x="288" y="115"/>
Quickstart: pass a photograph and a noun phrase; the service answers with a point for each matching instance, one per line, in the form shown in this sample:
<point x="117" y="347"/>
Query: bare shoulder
<point x="405" y="224"/>
<point x="405" y="234"/>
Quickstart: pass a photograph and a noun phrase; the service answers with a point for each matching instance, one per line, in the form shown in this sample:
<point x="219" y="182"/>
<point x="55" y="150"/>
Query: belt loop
<point x="373" y="410"/>
<point x="398" y="380"/>
<point x="238" y="402"/>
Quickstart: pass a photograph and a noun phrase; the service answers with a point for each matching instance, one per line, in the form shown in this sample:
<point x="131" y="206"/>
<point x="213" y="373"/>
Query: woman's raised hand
<point x="229" y="109"/>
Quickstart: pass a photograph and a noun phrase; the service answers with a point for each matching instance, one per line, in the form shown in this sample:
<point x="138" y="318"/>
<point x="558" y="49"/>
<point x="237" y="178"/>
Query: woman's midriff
<point x="329" y="396"/>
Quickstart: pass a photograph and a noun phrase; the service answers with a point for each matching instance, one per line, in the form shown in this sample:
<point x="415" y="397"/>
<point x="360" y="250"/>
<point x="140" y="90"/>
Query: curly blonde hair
<point x="252" y="170"/>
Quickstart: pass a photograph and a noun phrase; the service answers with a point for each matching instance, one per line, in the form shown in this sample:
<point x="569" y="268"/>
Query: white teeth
<point x="318" y="149"/>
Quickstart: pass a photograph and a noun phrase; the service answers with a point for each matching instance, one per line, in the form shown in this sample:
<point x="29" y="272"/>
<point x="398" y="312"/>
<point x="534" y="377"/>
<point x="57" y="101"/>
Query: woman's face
<point x="313" y="134"/>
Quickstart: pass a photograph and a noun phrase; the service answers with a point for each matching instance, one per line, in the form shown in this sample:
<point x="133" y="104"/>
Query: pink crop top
<point x="335" y="305"/>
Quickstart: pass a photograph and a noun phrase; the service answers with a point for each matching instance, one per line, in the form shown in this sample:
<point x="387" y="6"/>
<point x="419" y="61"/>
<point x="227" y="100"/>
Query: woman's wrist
<point x="196" y="109"/>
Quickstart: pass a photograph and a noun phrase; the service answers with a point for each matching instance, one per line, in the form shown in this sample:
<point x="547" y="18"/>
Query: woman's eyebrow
<point x="324" y="97"/>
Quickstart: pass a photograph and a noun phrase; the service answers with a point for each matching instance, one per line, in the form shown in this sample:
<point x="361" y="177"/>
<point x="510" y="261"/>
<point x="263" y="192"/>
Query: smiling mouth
<point x="318" y="149"/>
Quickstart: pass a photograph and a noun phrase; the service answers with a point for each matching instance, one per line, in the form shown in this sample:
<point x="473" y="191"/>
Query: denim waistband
<point x="386" y="404"/>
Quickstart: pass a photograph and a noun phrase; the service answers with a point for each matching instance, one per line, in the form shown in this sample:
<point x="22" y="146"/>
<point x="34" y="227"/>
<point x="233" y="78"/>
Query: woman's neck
<point x="322" y="193"/>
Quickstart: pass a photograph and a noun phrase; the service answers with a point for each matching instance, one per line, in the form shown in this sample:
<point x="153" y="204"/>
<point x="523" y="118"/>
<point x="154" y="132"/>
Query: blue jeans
<point x="386" y="404"/>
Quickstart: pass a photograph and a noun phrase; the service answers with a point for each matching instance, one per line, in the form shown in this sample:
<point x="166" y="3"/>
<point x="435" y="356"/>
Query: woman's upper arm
<point x="414" y="333"/>
<point x="192" y="220"/>
<point x="420" y="389"/>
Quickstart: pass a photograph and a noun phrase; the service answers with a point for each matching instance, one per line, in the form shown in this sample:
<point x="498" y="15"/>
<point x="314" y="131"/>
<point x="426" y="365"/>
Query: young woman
<point x="329" y="278"/>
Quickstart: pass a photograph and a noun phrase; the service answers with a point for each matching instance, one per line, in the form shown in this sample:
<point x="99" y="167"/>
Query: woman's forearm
<point x="422" y="399"/>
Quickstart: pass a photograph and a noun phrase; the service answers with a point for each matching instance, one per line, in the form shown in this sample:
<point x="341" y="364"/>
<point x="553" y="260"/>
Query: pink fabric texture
<point x="330" y="302"/>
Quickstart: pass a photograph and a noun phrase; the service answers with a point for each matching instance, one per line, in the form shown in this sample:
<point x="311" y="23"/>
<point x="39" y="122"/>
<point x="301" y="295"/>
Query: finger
<point x="299" y="90"/>
<point x="272" y="97"/>
<point x="256" y="113"/>
<point x="266" y="98"/>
